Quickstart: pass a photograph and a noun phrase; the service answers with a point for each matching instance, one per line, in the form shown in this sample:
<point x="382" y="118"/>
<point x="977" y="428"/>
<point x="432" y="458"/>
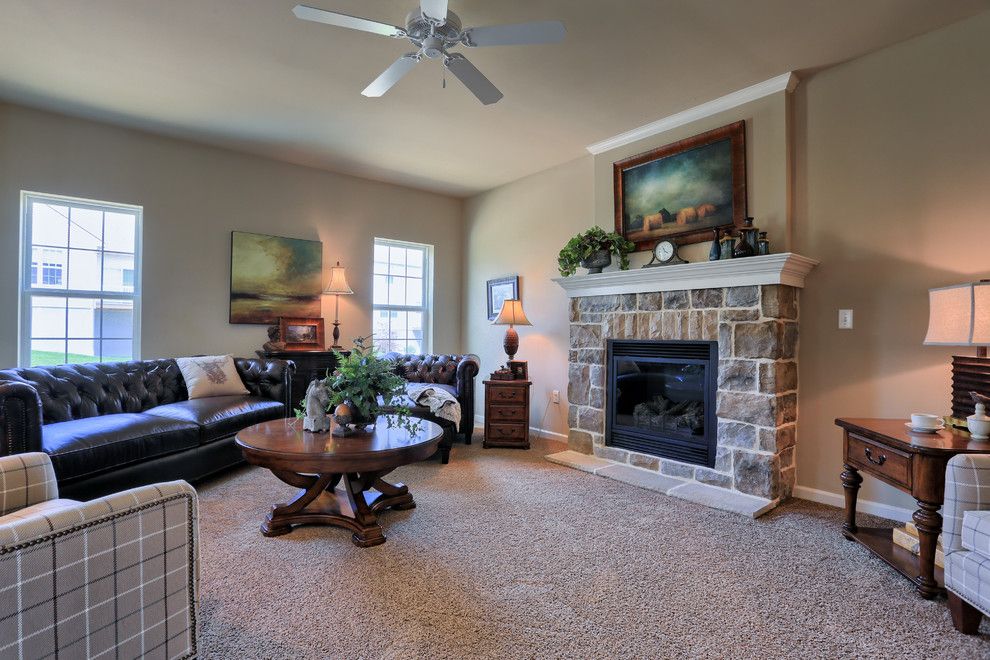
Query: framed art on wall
<point x="685" y="189"/>
<point x="500" y="290"/>
<point x="273" y="276"/>
<point x="302" y="334"/>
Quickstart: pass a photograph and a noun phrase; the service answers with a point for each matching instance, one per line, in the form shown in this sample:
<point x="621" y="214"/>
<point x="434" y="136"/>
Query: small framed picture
<point x="500" y="290"/>
<point x="519" y="369"/>
<point x="302" y="334"/>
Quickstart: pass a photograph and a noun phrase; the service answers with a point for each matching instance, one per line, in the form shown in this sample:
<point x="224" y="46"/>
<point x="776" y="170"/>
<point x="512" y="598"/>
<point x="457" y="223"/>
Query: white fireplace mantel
<point x="786" y="268"/>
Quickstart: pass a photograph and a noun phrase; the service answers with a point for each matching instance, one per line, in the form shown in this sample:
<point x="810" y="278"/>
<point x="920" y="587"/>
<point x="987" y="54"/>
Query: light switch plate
<point x="845" y="319"/>
<point x="555" y="396"/>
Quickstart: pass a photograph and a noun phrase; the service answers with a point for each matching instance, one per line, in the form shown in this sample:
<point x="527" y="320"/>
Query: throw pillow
<point x="211" y="375"/>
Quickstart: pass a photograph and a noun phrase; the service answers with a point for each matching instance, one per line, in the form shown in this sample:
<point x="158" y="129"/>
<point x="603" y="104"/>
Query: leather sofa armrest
<point x="467" y="369"/>
<point x="20" y="418"/>
<point x="269" y="378"/>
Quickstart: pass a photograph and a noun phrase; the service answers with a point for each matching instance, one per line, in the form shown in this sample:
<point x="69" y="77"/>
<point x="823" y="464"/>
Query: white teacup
<point x="926" y="421"/>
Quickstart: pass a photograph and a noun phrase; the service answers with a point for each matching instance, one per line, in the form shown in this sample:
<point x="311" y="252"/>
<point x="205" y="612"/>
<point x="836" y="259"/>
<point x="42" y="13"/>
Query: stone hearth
<point x="757" y="333"/>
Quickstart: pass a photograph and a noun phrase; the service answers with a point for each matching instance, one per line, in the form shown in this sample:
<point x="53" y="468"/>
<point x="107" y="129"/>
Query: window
<point x="403" y="294"/>
<point x="80" y="292"/>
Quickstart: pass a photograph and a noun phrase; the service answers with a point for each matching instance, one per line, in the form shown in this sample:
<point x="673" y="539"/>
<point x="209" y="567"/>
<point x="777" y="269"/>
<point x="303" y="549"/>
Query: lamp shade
<point x="511" y="314"/>
<point x="959" y="315"/>
<point x="338" y="282"/>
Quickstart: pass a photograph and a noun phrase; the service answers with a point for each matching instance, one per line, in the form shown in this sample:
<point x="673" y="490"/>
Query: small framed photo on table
<point x="519" y="369"/>
<point x="302" y="334"/>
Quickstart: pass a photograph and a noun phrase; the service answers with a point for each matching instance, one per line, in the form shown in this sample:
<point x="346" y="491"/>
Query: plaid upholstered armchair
<point x="966" y="539"/>
<point x="116" y="575"/>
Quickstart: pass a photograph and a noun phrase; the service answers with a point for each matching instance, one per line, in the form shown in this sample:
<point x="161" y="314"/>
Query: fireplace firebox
<point x="660" y="398"/>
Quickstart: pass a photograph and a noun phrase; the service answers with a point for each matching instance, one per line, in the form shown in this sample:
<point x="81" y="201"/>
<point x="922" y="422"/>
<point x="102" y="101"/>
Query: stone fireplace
<point x="746" y="311"/>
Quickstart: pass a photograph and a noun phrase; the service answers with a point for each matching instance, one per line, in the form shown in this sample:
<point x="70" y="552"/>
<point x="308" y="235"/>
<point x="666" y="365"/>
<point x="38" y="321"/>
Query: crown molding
<point x="785" y="82"/>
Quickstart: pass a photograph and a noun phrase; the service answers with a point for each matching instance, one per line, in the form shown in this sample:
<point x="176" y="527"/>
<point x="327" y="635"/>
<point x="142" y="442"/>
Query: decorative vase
<point x="598" y="260"/>
<point x="979" y="423"/>
<point x="715" y="253"/>
<point x="746" y="247"/>
<point x="763" y="244"/>
<point x="728" y="244"/>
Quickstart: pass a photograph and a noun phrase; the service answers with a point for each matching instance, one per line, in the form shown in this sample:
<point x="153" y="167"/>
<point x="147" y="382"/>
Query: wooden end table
<point x="340" y="478"/>
<point x="507" y="413"/>
<point x="913" y="463"/>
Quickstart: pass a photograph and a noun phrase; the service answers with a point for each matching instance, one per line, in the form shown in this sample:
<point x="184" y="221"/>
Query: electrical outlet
<point x="845" y="319"/>
<point x="555" y="396"/>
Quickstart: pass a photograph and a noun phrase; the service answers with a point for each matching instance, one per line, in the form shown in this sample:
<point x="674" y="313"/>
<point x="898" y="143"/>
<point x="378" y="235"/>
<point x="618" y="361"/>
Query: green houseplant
<point x="593" y="250"/>
<point x="368" y="386"/>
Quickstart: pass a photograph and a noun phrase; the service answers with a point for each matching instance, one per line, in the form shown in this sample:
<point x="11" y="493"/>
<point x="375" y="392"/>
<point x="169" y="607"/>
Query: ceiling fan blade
<point x="435" y="9"/>
<point x="517" y="34"/>
<point x="473" y="79"/>
<point x="307" y="13"/>
<point x="391" y="75"/>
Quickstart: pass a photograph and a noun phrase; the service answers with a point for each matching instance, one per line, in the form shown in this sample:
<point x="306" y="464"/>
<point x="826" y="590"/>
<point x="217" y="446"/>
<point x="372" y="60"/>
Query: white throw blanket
<point x="441" y="403"/>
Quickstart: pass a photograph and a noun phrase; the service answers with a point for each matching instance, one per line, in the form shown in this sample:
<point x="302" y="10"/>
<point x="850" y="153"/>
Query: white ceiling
<point x="247" y="74"/>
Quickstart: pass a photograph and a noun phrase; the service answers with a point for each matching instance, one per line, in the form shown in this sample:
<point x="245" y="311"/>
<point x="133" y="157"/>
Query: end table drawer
<point x="508" y="432"/>
<point x="507" y="394"/>
<point x="507" y="413"/>
<point x="884" y="462"/>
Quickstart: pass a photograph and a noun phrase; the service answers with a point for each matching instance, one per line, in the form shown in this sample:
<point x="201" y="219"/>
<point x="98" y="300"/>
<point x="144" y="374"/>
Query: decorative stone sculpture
<point x="317" y="398"/>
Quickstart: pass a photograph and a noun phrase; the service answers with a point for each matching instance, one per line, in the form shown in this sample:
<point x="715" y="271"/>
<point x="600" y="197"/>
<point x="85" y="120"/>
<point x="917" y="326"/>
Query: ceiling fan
<point x="434" y="30"/>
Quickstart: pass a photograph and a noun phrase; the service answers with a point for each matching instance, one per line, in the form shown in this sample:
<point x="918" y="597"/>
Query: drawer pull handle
<point x="875" y="461"/>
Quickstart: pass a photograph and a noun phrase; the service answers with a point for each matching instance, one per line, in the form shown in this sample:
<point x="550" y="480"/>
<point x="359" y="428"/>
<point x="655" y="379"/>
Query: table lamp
<point x="338" y="287"/>
<point x="959" y="315"/>
<point x="511" y="314"/>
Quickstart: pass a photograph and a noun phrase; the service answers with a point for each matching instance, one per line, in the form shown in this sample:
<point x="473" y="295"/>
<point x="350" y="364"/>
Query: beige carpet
<point x="510" y="556"/>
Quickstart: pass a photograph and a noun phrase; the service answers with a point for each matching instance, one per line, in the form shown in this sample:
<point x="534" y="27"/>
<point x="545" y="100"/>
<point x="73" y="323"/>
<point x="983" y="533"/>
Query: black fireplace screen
<point x="661" y="398"/>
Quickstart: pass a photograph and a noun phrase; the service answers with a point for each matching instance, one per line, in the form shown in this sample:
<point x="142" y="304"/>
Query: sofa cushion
<point x="221" y="416"/>
<point x="976" y="532"/>
<point x="96" y="444"/>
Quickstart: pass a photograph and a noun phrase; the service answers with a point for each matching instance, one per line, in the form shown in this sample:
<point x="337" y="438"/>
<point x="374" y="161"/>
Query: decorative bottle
<point x="763" y="244"/>
<point x="716" y="252"/>
<point x="728" y="244"/>
<point x="746" y="246"/>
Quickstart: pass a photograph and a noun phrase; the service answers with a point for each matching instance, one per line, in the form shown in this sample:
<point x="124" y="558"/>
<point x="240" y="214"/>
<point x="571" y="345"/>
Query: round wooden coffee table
<point x="340" y="478"/>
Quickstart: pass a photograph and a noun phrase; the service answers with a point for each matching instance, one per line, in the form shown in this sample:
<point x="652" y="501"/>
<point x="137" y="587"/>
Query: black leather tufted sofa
<point x="454" y="373"/>
<point x="113" y="426"/>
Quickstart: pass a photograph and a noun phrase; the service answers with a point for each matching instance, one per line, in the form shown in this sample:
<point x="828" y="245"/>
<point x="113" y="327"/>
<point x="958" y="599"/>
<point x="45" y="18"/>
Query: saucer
<point x="933" y="429"/>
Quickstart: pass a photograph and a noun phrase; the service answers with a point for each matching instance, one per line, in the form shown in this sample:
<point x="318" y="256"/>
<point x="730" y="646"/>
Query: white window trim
<point x="427" y="307"/>
<point x="24" y="285"/>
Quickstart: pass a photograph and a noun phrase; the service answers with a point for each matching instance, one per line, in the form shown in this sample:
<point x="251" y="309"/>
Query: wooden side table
<point x="913" y="463"/>
<point x="507" y="413"/>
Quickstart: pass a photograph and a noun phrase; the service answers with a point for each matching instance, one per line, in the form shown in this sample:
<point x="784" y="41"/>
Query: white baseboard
<point x="863" y="506"/>
<point x="479" y="425"/>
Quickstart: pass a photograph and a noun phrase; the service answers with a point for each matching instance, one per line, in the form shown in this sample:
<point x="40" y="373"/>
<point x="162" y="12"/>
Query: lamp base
<point x="969" y="374"/>
<point x="511" y="342"/>
<point x="336" y="335"/>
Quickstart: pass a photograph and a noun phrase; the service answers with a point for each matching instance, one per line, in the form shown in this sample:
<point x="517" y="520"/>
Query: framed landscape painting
<point x="683" y="190"/>
<point x="272" y="277"/>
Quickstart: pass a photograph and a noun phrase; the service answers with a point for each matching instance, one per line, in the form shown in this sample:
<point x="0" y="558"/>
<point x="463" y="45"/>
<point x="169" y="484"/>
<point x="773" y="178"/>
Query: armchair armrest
<point x="26" y="479"/>
<point x="270" y="378"/>
<point x="967" y="488"/>
<point x="20" y="418"/>
<point x="130" y="559"/>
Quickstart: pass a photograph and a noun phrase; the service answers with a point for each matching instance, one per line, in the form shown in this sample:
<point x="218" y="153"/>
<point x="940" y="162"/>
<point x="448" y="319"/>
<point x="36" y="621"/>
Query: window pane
<point x="84" y="320"/>
<point x="380" y="325"/>
<point x="397" y="291"/>
<point x="381" y="259"/>
<point x="83" y="350"/>
<point x="85" y="228"/>
<point x="116" y="350"/>
<point x="118" y="272"/>
<point x="381" y="290"/>
<point x="84" y="270"/>
<point x="414" y="258"/>
<point x="118" y="319"/>
<point x="413" y="346"/>
<point x="414" y="292"/>
<point x="47" y="317"/>
<point x="396" y="261"/>
<point x="48" y="267"/>
<point x="49" y="224"/>
<point x="415" y="326"/>
<point x="119" y="232"/>
<point x="399" y="326"/>
<point x="47" y="352"/>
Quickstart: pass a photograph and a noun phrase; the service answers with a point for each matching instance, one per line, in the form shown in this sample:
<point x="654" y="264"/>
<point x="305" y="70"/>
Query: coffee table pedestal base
<point x="349" y="500"/>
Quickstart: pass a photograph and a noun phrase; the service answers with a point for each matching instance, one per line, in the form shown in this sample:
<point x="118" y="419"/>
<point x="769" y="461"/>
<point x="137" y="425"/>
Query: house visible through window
<point x="80" y="295"/>
<point x="403" y="292"/>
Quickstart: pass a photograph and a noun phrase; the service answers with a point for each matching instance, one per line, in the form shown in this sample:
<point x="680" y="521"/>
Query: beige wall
<point x="890" y="160"/>
<point x="193" y="196"/>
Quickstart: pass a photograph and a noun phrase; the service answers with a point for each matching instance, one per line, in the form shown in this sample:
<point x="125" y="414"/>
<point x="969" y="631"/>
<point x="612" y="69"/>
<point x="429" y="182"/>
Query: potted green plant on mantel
<point x="593" y="250"/>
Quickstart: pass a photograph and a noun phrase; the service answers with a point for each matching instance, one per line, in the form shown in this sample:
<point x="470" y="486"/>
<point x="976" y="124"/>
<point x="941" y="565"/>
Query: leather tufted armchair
<point x="112" y="425"/>
<point x="454" y="371"/>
